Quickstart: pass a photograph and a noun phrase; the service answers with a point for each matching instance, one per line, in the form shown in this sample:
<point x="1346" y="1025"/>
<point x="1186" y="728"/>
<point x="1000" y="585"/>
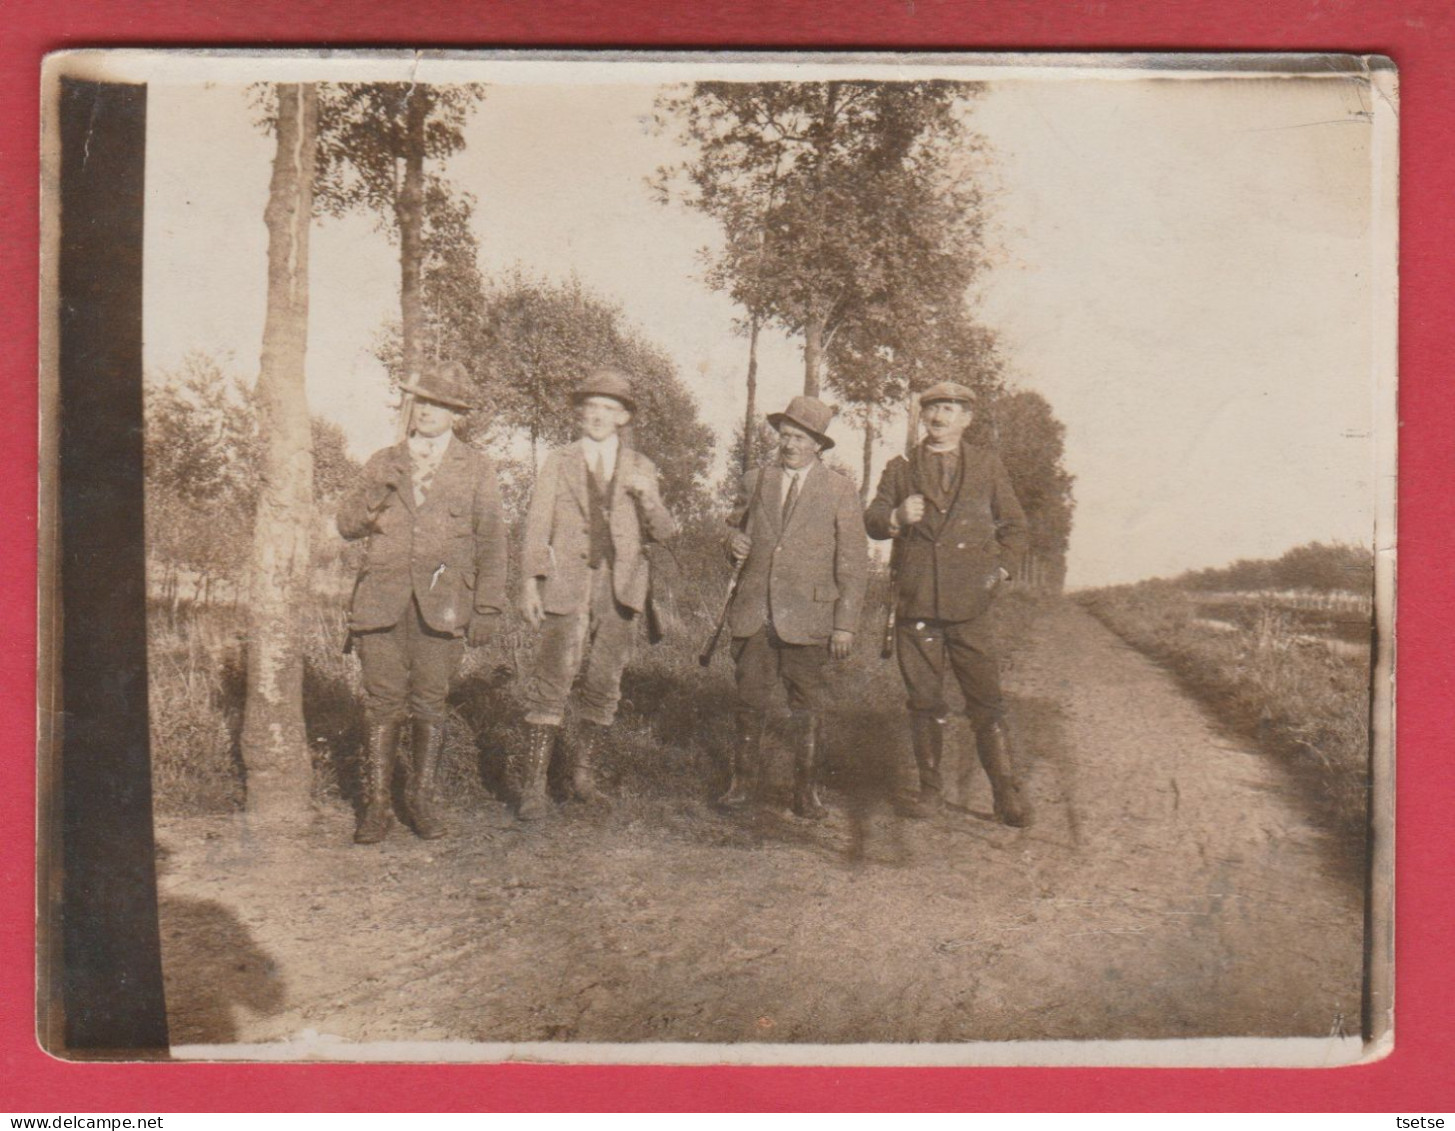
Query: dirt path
<point x="1168" y="889"/>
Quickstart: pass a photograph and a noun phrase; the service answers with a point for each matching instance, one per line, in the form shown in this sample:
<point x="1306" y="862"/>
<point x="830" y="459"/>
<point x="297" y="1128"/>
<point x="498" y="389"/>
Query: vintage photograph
<point x="740" y="558"/>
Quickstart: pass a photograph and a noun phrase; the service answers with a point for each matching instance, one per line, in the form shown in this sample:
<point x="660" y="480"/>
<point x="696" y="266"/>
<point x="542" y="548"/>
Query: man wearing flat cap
<point x="959" y="532"/>
<point x="432" y="580"/>
<point x="799" y="536"/>
<point x="585" y="582"/>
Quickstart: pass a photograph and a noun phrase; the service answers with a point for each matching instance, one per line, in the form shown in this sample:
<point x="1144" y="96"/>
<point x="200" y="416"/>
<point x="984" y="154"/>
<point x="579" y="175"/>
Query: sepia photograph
<point x="718" y="558"/>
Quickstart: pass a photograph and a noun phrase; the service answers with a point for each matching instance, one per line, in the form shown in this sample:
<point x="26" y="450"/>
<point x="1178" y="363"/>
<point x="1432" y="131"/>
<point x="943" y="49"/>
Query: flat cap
<point x="947" y="391"/>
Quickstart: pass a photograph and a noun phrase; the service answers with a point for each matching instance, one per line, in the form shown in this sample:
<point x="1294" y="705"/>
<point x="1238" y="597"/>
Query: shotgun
<point x="732" y="591"/>
<point x="891" y="616"/>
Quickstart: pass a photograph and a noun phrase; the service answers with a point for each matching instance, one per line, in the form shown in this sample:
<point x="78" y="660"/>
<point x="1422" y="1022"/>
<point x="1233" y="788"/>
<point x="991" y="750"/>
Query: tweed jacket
<point x="809" y="576"/>
<point x="948" y="564"/>
<point x="558" y="530"/>
<point x="448" y="552"/>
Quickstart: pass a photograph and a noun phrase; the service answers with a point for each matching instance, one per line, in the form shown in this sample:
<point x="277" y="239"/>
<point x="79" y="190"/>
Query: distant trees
<point x="202" y="465"/>
<point x="1031" y="442"/>
<point x="1327" y="567"/>
<point x="200" y="458"/>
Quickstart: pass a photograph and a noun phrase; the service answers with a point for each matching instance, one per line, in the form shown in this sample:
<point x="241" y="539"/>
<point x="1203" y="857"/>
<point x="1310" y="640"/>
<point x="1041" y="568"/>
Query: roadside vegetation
<point x="1280" y="651"/>
<point x="664" y="760"/>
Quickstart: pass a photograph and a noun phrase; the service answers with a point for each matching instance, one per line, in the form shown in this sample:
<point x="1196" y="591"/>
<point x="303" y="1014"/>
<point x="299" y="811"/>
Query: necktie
<point x="424" y="469"/>
<point x="599" y="469"/>
<point x="948" y="466"/>
<point x="790" y="498"/>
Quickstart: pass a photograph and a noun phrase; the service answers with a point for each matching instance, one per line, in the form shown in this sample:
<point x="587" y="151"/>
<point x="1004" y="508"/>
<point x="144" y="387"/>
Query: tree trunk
<point x="274" y="744"/>
<point x="813" y="347"/>
<point x="911" y="427"/>
<point x="868" y="458"/>
<point x="750" y="416"/>
<point x="409" y="211"/>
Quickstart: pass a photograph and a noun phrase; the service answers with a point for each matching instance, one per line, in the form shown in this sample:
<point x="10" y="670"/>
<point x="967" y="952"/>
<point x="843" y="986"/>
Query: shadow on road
<point x="211" y="968"/>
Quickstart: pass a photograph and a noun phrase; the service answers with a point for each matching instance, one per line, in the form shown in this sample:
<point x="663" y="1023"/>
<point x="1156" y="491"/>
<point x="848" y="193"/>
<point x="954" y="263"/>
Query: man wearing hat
<point x="799" y="536"/>
<point x="585" y="579"/>
<point x="958" y="531"/>
<point x="432" y="579"/>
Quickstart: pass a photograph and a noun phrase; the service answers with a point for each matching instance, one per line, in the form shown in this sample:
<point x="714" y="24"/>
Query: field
<point x="1289" y="670"/>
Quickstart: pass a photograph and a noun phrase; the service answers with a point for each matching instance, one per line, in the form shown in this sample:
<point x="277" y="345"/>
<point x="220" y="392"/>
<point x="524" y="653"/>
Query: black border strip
<point x="110" y="980"/>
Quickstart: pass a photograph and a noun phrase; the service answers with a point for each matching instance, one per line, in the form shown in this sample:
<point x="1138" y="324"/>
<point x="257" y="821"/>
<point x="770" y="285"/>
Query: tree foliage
<point x="842" y="203"/>
<point x="376" y="141"/>
<point x="545" y="338"/>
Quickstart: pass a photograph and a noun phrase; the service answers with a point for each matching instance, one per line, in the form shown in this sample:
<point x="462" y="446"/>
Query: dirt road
<point x="1170" y="887"/>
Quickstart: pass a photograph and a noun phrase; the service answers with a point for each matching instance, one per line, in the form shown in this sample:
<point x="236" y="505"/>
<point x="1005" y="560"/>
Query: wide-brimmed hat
<point x="611" y="383"/>
<point x="947" y="391"/>
<point x="443" y="382"/>
<point x="810" y="414"/>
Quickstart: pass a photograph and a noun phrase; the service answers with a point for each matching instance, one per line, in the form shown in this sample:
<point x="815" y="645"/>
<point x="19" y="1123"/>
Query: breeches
<point x="407" y="668"/>
<point x="606" y="630"/>
<point x="764" y="660"/>
<point x="925" y="647"/>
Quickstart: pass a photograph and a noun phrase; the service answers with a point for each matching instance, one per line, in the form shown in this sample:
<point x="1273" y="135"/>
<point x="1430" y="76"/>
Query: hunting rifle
<point x="732" y="590"/>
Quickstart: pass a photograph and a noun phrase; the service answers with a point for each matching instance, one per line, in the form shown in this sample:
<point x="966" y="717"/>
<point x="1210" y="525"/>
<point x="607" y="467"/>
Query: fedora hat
<point x="947" y="391"/>
<point x="810" y="414"/>
<point x="611" y="383"/>
<point x="445" y="383"/>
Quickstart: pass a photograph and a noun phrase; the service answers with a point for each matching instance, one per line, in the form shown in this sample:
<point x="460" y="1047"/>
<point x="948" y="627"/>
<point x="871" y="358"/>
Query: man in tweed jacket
<point x="432" y="578"/>
<point x="959" y="533"/>
<point x="799" y="534"/>
<point x="585" y="584"/>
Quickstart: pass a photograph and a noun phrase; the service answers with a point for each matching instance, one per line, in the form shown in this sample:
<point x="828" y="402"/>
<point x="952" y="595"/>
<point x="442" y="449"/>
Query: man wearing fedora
<point x="432" y="579"/>
<point x="959" y="532"/>
<point x="798" y="535"/>
<point x="585" y="581"/>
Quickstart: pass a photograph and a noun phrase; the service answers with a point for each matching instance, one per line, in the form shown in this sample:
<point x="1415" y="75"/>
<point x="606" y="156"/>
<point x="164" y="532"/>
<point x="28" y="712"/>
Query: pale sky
<point x="1182" y="267"/>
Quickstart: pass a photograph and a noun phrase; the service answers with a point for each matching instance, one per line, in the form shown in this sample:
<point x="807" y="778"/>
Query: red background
<point x="1417" y="34"/>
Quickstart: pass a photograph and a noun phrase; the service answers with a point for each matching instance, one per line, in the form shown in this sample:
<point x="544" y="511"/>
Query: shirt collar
<point x="430" y="445"/>
<point x="607" y="447"/>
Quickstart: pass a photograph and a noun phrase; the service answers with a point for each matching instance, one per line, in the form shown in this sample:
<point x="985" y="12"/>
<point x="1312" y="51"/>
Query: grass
<point x="1265" y="676"/>
<point x="663" y="761"/>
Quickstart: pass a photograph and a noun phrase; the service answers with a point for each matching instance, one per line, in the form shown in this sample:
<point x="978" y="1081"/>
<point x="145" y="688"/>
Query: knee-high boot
<point x="807" y="765"/>
<point x="747" y="749"/>
<point x="927" y="735"/>
<point x="992" y="743"/>
<point x="381" y="745"/>
<point x="583" y="765"/>
<point x="530" y="774"/>
<point x="421" y="796"/>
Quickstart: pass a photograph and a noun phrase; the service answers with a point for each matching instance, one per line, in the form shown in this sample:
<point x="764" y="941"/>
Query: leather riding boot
<point x="927" y="735"/>
<point x="992" y="742"/>
<point x="746" y="751"/>
<point x="421" y="796"/>
<point x="583" y="765"/>
<point x="531" y="801"/>
<point x="807" y="763"/>
<point x="381" y="745"/>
